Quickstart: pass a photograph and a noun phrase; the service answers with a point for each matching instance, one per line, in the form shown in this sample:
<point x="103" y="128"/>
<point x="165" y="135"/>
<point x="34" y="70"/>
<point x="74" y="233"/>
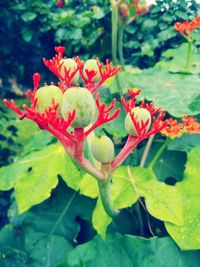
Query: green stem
<point x="114" y="6"/>
<point x="114" y="30"/>
<point x="189" y="54"/>
<point x="104" y="190"/>
<point x="120" y="45"/>
<point x="159" y="153"/>
<point x="146" y="150"/>
<point x="140" y="219"/>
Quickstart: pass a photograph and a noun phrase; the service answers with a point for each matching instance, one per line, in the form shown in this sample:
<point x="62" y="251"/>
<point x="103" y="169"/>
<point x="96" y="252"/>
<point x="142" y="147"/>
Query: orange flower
<point x="173" y="128"/>
<point x="187" y="27"/>
<point x="191" y="125"/>
<point x="176" y="129"/>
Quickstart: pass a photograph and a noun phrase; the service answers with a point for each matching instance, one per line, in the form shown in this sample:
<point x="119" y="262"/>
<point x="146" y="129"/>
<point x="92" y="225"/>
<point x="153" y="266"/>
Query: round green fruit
<point x="46" y="94"/>
<point x="91" y="64"/>
<point x="71" y="65"/>
<point x="140" y="114"/>
<point x="82" y="101"/>
<point x="103" y="149"/>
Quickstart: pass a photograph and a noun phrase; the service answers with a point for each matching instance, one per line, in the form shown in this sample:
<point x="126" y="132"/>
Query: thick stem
<point x="146" y="150"/>
<point x="104" y="190"/>
<point x="79" y="158"/>
<point x="131" y="143"/>
<point x="89" y="168"/>
<point x="159" y="153"/>
<point x="120" y="45"/>
<point x="189" y="54"/>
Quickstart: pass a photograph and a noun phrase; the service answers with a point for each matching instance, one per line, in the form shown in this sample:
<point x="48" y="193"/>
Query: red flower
<point x="140" y="8"/>
<point x="187" y="27"/>
<point x="60" y="3"/>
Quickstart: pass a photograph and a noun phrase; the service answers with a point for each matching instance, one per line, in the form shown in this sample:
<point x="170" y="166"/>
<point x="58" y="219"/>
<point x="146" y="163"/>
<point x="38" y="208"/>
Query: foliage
<point x="187" y="234"/>
<point x="35" y="27"/>
<point x="130" y="251"/>
<point x="52" y="214"/>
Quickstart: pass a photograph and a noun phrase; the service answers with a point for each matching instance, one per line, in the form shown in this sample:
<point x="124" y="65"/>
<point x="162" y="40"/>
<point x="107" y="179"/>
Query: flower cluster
<point x="93" y="74"/>
<point x="71" y="112"/>
<point x="187" y="27"/>
<point x="174" y="128"/>
<point x="67" y="111"/>
<point x="140" y="7"/>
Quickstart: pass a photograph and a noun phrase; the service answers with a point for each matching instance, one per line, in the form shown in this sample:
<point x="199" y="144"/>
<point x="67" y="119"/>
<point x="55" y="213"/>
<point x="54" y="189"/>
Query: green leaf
<point x="147" y="50"/>
<point x="129" y="251"/>
<point x="185" y="143"/>
<point x="122" y="193"/>
<point x="27" y="34"/>
<point x="162" y="201"/>
<point x="116" y="127"/>
<point x="122" y="196"/>
<point x="58" y="215"/>
<point x="12" y="251"/>
<point x="28" y="16"/>
<point x="172" y="92"/>
<point x="41" y="170"/>
<point x="126" y="79"/>
<point x="168" y="167"/>
<point x="100" y="219"/>
<point x="38" y="141"/>
<point x="49" y="249"/>
<point x="174" y="60"/>
<point x="88" y="186"/>
<point x="44" y="235"/>
<point x="98" y="12"/>
<point x="167" y="34"/>
<point x="187" y="235"/>
<point x="195" y="104"/>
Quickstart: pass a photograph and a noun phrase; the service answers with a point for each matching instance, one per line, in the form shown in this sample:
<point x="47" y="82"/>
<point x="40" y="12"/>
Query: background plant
<point x="65" y="219"/>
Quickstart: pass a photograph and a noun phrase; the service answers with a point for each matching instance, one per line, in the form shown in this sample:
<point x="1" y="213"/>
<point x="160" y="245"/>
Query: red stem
<point x="131" y="143"/>
<point x="87" y="166"/>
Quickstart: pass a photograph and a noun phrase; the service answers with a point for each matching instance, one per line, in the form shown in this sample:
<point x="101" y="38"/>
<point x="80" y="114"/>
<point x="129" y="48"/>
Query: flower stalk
<point x="189" y="53"/>
<point x="104" y="191"/>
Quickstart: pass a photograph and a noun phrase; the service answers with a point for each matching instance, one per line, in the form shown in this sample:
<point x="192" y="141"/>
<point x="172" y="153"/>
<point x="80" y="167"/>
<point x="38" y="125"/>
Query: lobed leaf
<point x="187" y="235"/>
<point x="129" y="251"/>
<point x="41" y="170"/>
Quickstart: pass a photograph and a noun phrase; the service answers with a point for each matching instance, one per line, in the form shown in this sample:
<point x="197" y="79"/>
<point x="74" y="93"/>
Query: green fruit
<point x="82" y="101"/>
<point x="71" y="65"/>
<point x="91" y="64"/>
<point x="103" y="149"/>
<point x="140" y="114"/>
<point x="46" y="94"/>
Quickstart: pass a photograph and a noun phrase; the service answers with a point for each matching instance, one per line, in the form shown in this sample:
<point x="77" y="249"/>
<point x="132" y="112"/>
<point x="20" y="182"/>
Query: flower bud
<point x="140" y="115"/>
<point x="90" y="65"/>
<point x="70" y="65"/>
<point x="46" y="94"/>
<point x="81" y="100"/>
<point x="103" y="149"/>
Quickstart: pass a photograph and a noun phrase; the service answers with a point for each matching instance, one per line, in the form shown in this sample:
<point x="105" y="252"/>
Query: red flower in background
<point x="187" y="27"/>
<point x="140" y="7"/>
<point x="60" y="3"/>
<point x="174" y="128"/>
